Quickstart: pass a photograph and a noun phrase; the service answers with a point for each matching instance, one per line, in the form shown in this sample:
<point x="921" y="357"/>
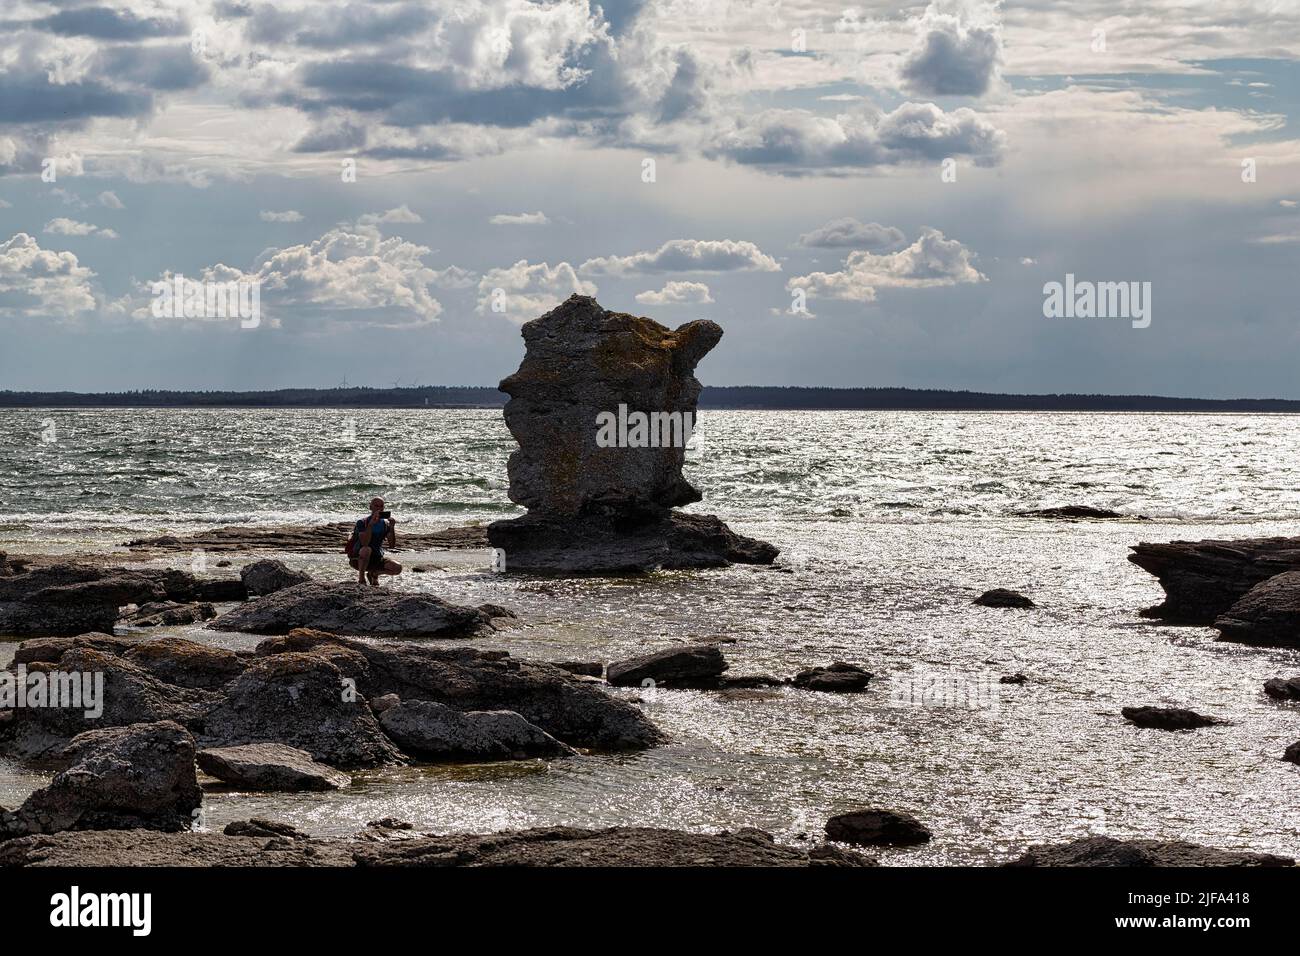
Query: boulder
<point x="1001" y="597"/>
<point x="1268" y="614"/>
<point x="186" y="663"/>
<point x="877" y="828"/>
<point x="141" y="776"/>
<point x="169" y="614"/>
<point x="1167" y="718"/>
<point x="839" y="677"/>
<point x="433" y="731"/>
<point x="596" y="506"/>
<point x="1203" y="579"/>
<point x="1283" y="688"/>
<point x="616" y="846"/>
<point x="301" y="700"/>
<point x="268" y="576"/>
<point x="355" y="610"/>
<point x="269" y="766"/>
<point x="699" y="665"/>
<point x="567" y="707"/>
<point x="1013" y="679"/>
<point x="1292" y="753"/>
<point x="1107" y="851"/>
<point x="51" y="649"/>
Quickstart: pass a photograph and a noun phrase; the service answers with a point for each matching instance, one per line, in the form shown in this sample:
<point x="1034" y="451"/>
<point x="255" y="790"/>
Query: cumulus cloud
<point x="108" y="199"/>
<point x="957" y="54"/>
<point x="402" y="214"/>
<point x="677" y="293"/>
<point x="931" y="260"/>
<point x="41" y="282"/>
<point x="798" y="141"/>
<point x="520" y="219"/>
<point x="62" y="226"/>
<point x="454" y="277"/>
<point x="525" y="290"/>
<point x="848" y="233"/>
<point x="289" y="215"/>
<point x="687" y="255"/>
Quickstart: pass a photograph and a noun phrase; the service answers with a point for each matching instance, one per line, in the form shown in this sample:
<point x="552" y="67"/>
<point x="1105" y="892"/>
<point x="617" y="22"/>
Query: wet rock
<point x="1074" y="512"/>
<point x="1167" y="718"/>
<point x="1013" y="679"/>
<point x="1283" y="688"/>
<point x="433" y="731"/>
<point x="1107" y="851"/>
<point x="595" y="509"/>
<point x="582" y="668"/>
<point x="699" y="665"/>
<point x="268" y="576"/>
<point x="877" y="828"/>
<point x="303" y="701"/>
<point x="353" y="609"/>
<point x="839" y="677"/>
<point x="149" y="848"/>
<point x="269" y="766"/>
<point x="130" y="695"/>
<point x="169" y="614"/>
<point x="1292" y="753"/>
<point x="565" y="706"/>
<point x="1268" y="614"/>
<point x="141" y="776"/>
<point x="20" y="618"/>
<point x="186" y="663"/>
<point x="261" y="827"/>
<point x="748" y="681"/>
<point x="1204" y="579"/>
<point x="1001" y="597"/>
<point x="51" y="649"/>
<point x="617" y="846"/>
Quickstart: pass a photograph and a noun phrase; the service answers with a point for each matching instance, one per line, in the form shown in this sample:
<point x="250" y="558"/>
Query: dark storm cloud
<point x="953" y="60"/>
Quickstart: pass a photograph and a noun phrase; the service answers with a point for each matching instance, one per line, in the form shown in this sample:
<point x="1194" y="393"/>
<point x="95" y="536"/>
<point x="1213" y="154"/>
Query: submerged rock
<point x="1107" y="851"/>
<point x="269" y="766"/>
<point x="1283" y="688"/>
<point x="141" y="776"/>
<point x="433" y="731"/>
<point x="354" y="610"/>
<point x="1268" y="614"/>
<point x="1168" y="718"/>
<point x="1001" y="597"/>
<point x="839" y="677"/>
<point x="1292" y="753"/>
<point x="877" y="828"/>
<point x="1074" y="512"/>
<point x="597" y="505"/>
<point x="700" y="665"/>
<point x="1203" y="579"/>
<point x="268" y="576"/>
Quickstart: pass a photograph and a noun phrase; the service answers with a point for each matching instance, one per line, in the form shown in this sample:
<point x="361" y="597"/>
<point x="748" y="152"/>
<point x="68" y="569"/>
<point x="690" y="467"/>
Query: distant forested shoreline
<point x="729" y="396"/>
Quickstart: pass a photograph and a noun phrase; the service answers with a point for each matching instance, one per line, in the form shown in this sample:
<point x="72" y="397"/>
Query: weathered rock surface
<point x="1292" y="753"/>
<point x="268" y="576"/>
<point x="1107" y="851"/>
<point x="565" y="706"/>
<point x="301" y="700"/>
<point x="1203" y="579"/>
<point x="618" y="846"/>
<point x="699" y="665"/>
<point x="322" y="538"/>
<point x="149" y="848"/>
<point x="269" y="766"/>
<point x="186" y="663"/>
<point x="50" y="649"/>
<point x="1167" y="718"/>
<point x="1283" y="688"/>
<point x="1268" y="614"/>
<point x="169" y="614"/>
<point x="877" y="828"/>
<point x="838" y="677"/>
<point x="141" y="776"/>
<point x="607" y="509"/>
<point x="1001" y="597"/>
<point x="355" y="610"/>
<point x="433" y="731"/>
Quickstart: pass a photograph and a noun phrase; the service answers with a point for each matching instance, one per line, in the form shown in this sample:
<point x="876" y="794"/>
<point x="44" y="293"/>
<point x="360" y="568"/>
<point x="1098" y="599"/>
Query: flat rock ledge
<point x="1204" y="579"/>
<point x="1168" y="718"/>
<point x="269" y="766"/>
<point x="262" y="844"/>
<point x="1107" y="851"/>
<point x="1267" y="615"/>
<point x="321" y="538"/>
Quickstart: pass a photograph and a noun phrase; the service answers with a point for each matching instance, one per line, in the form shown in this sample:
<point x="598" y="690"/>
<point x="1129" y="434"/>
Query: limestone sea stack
<point x="604" y="500"/>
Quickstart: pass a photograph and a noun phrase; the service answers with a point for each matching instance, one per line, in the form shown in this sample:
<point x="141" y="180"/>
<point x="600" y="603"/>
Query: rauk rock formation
<point x="601" y="505"/>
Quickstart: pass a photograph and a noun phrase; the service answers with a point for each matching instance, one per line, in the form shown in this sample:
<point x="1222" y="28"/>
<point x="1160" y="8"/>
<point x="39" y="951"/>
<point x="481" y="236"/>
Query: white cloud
<point x="930" y="261"/>
<point x="524" y="291"/>
<point x="289" y="215"/>
<point x="62" y="226"/>
<point x="1288" y="203"/>
<point x="402" y="214"/>
<point x="677" y="293"/>
<point x="41" y="282"/>
<point x="108" y="199"/>
<point x="687" y="255"/>
<point x="848" y="233"/>
<point x="520" y="219"/>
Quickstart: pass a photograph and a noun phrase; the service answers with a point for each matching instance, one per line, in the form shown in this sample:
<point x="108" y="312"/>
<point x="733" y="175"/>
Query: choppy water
<point x="891" y="522"/>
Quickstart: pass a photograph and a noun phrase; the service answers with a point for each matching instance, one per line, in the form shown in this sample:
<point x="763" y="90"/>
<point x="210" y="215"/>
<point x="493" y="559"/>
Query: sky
<point x="874" y="195"/>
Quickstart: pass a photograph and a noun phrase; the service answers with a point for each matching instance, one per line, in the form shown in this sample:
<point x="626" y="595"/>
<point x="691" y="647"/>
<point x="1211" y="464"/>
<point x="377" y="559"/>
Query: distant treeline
<point x="731" y="396"/>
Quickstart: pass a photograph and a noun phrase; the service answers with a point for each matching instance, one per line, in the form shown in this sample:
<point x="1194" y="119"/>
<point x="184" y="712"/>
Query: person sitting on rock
<point x="368" y="539"/>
